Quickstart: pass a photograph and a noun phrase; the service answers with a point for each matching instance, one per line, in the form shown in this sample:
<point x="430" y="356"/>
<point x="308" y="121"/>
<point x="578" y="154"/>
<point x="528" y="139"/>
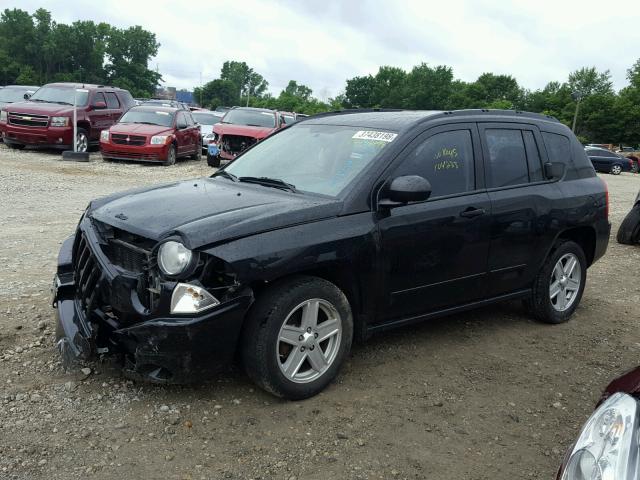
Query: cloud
<point x="323" y="43"/>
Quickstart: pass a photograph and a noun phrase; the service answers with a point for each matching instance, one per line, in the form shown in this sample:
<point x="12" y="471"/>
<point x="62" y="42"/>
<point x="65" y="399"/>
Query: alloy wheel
<point x="309" y="340"/>
<point x="82" y="143"/>
<point x="616" y="169"/>
<point x="565" y="282"/>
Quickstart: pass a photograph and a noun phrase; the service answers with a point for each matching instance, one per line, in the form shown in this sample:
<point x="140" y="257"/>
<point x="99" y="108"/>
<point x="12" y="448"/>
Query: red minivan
<point x="152" y="134"/>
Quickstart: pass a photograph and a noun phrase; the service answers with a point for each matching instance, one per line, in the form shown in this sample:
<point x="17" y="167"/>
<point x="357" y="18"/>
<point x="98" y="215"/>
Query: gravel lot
<point x="484" y="395"/>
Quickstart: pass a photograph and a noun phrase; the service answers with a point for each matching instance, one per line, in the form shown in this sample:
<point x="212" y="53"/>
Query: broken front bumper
<point x="165" y="349"/>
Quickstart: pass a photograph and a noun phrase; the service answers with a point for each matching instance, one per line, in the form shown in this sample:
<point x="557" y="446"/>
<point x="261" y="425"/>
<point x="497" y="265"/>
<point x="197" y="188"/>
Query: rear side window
<point x="446" y="160"/>
<point x="98" y="97"/>
<point x="558" y="147"/>
<point x="507" y="158"/>
<point x="112" y="100"/>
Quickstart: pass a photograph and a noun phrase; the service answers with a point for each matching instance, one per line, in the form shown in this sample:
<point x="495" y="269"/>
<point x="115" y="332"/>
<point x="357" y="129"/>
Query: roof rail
<point x="497" y="112"/>
<point x="347" y="111"/>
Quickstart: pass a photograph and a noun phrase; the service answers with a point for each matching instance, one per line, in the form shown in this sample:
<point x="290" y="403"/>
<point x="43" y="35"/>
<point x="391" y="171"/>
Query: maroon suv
<point x="152" y="134"/>
<point x="46" y="119"/>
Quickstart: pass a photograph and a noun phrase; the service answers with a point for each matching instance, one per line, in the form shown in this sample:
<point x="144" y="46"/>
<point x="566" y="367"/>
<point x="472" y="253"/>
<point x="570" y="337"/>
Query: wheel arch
<point x="585" y="236"/>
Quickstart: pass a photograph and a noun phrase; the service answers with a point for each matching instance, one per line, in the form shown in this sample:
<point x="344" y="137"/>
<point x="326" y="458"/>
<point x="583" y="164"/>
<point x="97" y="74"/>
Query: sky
<point x="322" y="43"/>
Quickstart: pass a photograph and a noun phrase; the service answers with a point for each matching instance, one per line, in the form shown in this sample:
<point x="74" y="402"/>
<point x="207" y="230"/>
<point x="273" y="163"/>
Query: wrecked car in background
<point x="239" y="129"/>
<point x="629" y="231"/>
<point x="608" y="446"/>
<point x="339" y="226"/>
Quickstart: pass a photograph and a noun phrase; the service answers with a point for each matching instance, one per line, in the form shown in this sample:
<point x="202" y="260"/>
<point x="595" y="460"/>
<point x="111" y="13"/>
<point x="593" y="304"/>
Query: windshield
<point x="254" y="118"/>
<point x="62" y="95"/>
<point x="320" y="159"/>
<point x="205" y="118"/>
<point x="164" y="119"/>
<point x="11" y="95"/>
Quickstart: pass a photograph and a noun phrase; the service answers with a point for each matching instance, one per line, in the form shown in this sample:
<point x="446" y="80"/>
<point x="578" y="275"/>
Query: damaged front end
<point x="233" y="145"/>
<point x="112" y="298"/>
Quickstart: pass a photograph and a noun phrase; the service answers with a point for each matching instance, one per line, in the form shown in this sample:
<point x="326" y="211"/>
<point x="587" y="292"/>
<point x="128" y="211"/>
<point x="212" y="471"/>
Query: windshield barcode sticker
<point x="373" y="135"/>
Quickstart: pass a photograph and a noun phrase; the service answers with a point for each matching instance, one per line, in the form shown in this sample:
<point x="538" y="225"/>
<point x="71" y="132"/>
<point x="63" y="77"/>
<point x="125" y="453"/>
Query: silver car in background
<point x="207" y="119"/>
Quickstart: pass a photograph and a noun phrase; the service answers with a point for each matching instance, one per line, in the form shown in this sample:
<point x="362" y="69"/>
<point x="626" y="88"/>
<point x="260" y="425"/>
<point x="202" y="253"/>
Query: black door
<point x="521" y="204"/>
<point x="435" y="252"/>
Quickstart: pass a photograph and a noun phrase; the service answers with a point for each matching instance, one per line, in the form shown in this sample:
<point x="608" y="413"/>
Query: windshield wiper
<point x="224" y="173"/>
<point x="270" y="182"/>
<point x="146" y="123"/>
<point x="252" y="125"/>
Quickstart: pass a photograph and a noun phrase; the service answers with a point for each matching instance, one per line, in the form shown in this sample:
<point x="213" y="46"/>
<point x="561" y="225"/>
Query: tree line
<point x="34" y="50"/>
<point x="604" y="116"/>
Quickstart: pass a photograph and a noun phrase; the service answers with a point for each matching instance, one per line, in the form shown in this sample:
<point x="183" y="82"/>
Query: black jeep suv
<point x="336" y="227"/>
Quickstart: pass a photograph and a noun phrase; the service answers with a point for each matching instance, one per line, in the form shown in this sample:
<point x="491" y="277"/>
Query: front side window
<point x="321" y="159"/>
<point x="446" y="160"/>
<point x="253" y="118"/>
<point x="60" y="95"/>
<point x="507" y="158"/>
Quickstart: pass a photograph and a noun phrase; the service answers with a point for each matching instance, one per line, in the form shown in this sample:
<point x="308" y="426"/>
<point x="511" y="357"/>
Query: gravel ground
<point x="484" y="395"/>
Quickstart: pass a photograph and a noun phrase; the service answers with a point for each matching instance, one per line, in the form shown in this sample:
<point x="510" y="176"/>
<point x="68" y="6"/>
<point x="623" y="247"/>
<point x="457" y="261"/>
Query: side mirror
<point x="181" y="126"/>
<point x="553" y="170"/>
<point x="99" y="106"/>
<point x="402" y="190"/>
<point x="27" y="95"/>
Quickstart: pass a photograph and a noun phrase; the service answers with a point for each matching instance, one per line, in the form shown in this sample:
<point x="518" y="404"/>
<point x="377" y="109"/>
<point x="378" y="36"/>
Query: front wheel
<point x="297" y="336"/>
<point x="197" y="155"/>
<point x="82" y="140"/>
<point x="15" y="146"/>
<point x="558" y="288"/>
<point x="171" y="156"/>
<point x="616" y="169"/>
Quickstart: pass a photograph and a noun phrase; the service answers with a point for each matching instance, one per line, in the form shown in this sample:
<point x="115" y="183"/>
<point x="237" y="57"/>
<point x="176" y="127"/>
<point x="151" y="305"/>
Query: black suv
<point x="337" y="227"/>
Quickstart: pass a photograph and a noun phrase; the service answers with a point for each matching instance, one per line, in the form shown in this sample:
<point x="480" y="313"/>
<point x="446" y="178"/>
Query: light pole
<point x="75" y="154"/>
<point x="577" y="96"/>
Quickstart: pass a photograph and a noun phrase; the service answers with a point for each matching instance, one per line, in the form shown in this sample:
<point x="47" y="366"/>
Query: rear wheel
<point x="213" y="161"/>
<point x="297" y="335"/>
<point x="616" y="169"/>
<point x="629" y="231"/>
<point x="560" y="283"/>
<point x="16" y="146"/>
<point x="171" y="156"/>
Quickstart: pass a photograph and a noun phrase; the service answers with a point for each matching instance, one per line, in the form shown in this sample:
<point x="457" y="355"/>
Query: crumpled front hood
<point x="245" y="130"/>
<point x="208" y="211"/>
<point x="41" y="108"/>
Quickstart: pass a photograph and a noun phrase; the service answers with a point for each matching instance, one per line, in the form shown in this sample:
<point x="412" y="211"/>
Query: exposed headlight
<point x="104" y="136"/>
<point x="59" y="121"/>
<point x="191" y="299"/>
<point x="159" y="139"/>
<point x="607" y="448"/>
<point x="173" y="258"/>
<point x="3" y="116"/>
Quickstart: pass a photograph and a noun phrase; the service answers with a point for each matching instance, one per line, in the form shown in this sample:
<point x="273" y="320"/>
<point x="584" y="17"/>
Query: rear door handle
<point x="472" y="212"/>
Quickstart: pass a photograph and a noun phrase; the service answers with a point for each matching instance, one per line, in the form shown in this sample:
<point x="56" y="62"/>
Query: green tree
<point x="244" y="78"/>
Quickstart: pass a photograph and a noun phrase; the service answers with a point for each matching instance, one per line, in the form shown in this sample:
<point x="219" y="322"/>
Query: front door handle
<point x="472" y="212"/>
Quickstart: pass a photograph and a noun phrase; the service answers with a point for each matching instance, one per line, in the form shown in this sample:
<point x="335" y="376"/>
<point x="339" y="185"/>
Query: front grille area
<point x="127" y="256"/>
<point x="28" y="120"/>
<point x="86" y="274"/>
<point x="113" y="153"/>
<point x="123" y="139"/>
<point x="236" y="144"/>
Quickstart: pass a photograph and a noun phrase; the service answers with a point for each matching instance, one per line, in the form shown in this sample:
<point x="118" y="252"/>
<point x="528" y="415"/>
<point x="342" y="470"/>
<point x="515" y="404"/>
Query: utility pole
<point x="577" y="96"/>
<point x="248" y="92"/>
<point x="201" y="88"/>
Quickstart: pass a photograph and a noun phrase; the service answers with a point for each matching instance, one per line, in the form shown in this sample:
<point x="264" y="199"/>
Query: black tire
<point x="171" y="156"/>
<point x="213" y="161"/>
<point x="540" y="304"/>
<point x="260" y="349"/>
<point x="629" y="231"/>
<point x="616" y="169"/>
<point x="197" y="155"/>
<point x="15" y="146"/>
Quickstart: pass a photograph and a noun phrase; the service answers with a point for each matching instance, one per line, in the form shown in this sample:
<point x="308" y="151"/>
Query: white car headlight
<point x="59" y="121"/>
<point x="159" y="139"/>
<point x="607" y="448"/>
<point x="173" y="258"/>
<point x="191" y="299"/>
<point x="3" y="116"/>
<point x="104" y="136"/>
